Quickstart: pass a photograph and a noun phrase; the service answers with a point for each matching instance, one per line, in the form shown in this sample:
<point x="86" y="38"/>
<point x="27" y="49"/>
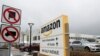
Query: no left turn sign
<point x="11" y="15"/>
<point x="10" y="33"/>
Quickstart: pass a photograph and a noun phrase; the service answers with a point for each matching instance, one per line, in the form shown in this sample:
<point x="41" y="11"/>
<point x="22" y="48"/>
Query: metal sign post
<point x="10" y="16"/>
<point x="9" y="48"/>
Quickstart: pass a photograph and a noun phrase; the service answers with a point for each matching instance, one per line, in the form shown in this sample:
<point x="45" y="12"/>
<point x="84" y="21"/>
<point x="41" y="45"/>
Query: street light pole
<point x="30" y="24"/>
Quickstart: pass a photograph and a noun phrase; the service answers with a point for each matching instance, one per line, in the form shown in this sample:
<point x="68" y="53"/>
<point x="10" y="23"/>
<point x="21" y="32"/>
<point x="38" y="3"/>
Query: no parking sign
<point x="10" y="33"/>
<point x="11" y="15"/>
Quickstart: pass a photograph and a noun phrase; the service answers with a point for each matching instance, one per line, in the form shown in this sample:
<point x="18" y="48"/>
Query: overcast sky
<point x="84" y="15"/>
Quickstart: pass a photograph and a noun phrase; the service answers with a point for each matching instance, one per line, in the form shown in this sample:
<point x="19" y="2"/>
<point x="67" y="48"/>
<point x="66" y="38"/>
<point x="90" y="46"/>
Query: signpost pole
<point x="10" y="49"/>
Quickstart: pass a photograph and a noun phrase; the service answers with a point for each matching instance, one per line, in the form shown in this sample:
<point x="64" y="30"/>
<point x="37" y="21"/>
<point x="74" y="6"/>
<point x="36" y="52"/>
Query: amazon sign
<point x="54" y="25"/>
<point x="55" y="38"/>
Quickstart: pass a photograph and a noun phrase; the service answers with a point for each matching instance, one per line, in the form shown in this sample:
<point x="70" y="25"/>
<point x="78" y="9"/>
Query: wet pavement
<point x="14" y="52"/>
<point x="3" y="52"/>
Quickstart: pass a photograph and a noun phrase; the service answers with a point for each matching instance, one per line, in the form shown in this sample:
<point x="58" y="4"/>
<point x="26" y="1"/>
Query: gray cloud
<point x="83" y="14"/>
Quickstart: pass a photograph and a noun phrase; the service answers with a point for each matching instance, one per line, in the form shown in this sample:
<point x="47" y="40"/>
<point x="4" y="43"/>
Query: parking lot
<point x="15" y="52"/>
<point x="3" y="52"/>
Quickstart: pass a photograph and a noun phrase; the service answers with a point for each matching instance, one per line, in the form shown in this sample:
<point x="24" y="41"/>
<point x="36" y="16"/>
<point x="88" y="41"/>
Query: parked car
<point x="98" y="39"/>
<point x="84" y="45"/>
<point x="34" y="47"/>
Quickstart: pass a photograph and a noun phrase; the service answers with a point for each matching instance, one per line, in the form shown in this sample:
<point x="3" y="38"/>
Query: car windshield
<point x="89" y="40"/>
<point x="76" y="42"/>
<point x="98" y="37"/>
<point x="85" y="41"/>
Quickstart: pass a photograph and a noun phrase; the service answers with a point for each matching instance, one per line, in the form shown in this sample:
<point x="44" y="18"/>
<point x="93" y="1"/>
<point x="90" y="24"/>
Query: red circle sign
<point x="15" y="19"/>
<point x="7" y="30"/>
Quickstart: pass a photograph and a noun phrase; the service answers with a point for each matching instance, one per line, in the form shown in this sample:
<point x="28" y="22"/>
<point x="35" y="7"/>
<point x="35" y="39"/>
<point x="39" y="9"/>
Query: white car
<point x="98" y="39"/>
<point x="84" y="45"/>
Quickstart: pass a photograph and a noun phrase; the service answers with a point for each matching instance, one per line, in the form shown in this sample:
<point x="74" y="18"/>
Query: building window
<point x="35" y="38"/>
<point x="38" y="37"/>
<point x="27" y="38"/>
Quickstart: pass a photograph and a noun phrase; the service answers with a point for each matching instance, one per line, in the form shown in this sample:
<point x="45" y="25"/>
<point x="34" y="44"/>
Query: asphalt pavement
<point x="16" y="52"/>
<point x="4" y="52"/>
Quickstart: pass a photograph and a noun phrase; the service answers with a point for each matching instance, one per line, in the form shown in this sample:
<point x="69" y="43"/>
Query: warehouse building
<point x="77" y="36"/>
<point x="36" y="37"/>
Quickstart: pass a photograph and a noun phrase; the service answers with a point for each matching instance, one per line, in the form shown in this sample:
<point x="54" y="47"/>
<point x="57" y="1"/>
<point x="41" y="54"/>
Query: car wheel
<point x="87" y="49"/>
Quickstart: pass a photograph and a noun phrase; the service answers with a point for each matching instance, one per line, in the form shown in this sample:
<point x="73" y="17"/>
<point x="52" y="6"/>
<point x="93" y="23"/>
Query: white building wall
<point x="36" y="34"/>
<point x="81" y="36"/>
